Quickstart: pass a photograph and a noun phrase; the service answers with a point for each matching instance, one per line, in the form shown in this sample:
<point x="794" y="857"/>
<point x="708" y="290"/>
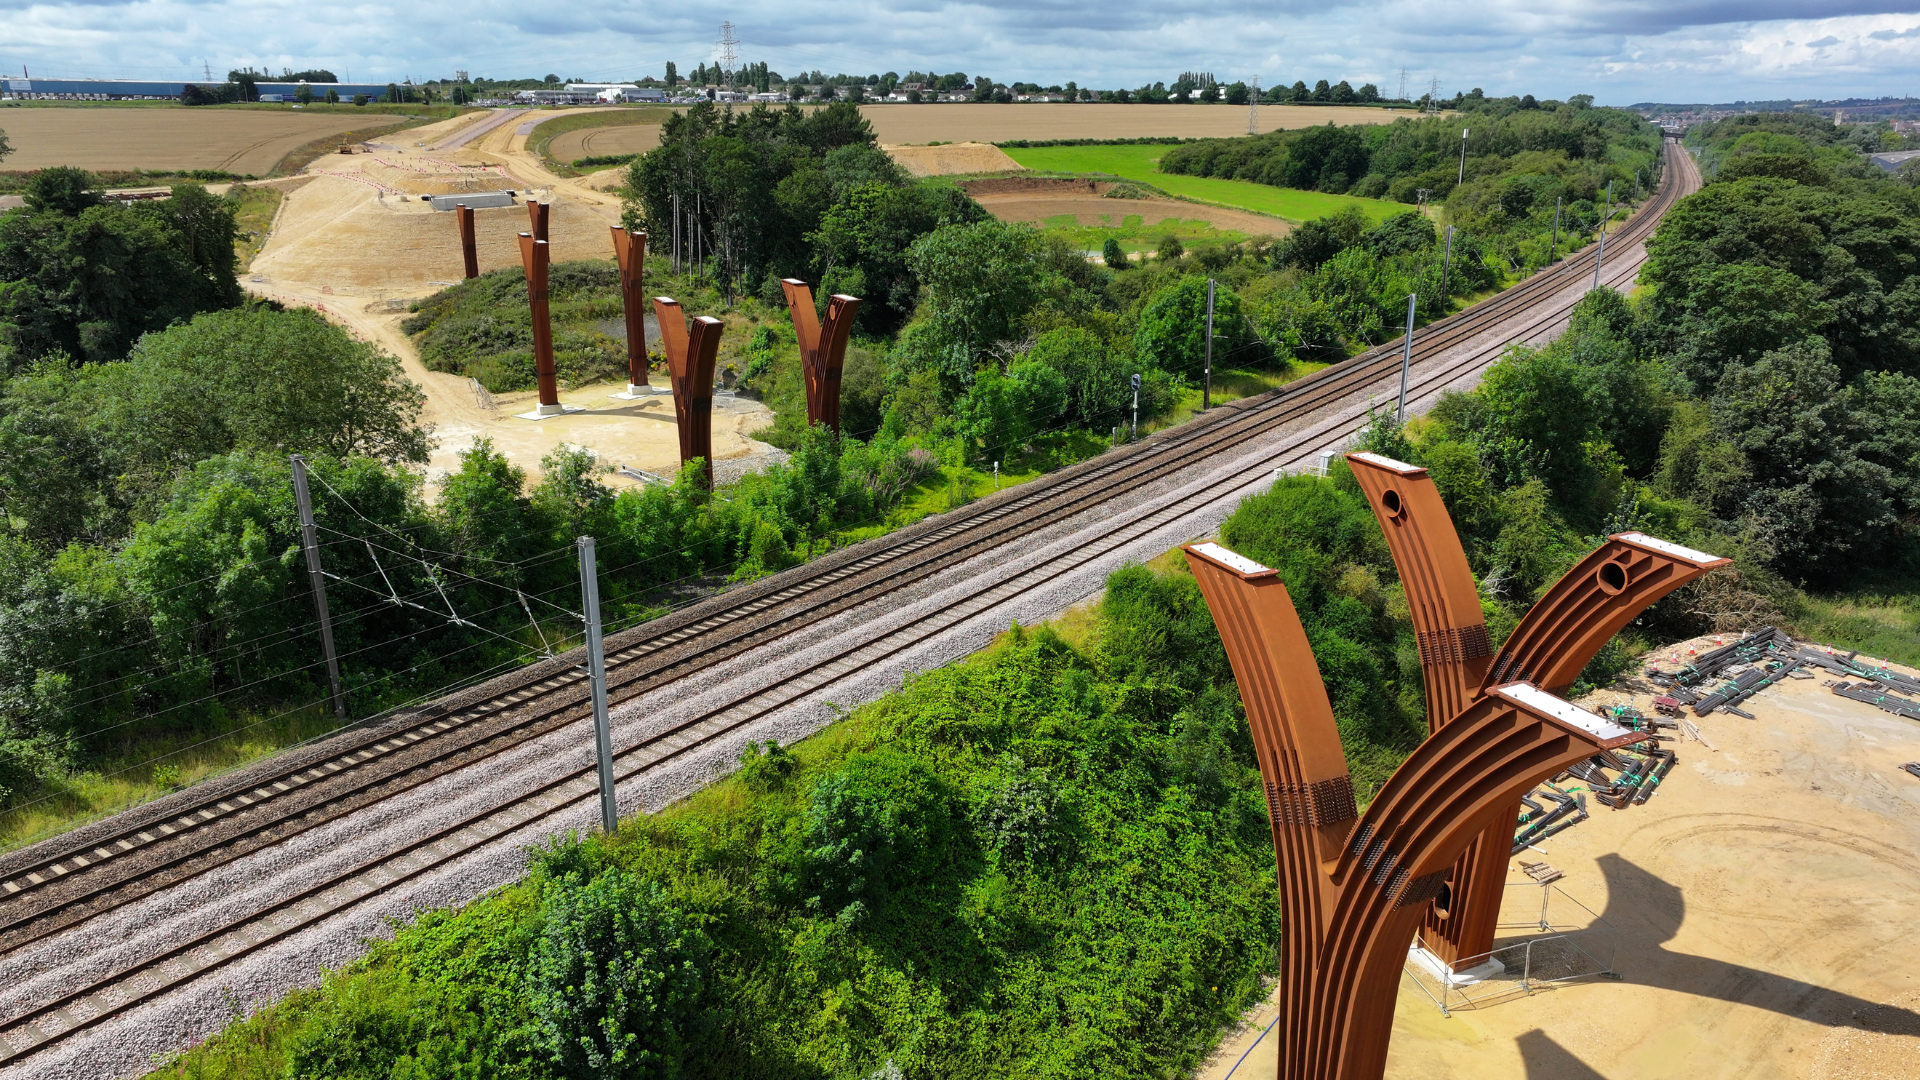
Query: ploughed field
<point x="231" y="140"/>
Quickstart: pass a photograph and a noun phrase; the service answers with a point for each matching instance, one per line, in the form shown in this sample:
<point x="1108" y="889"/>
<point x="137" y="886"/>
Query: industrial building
<point x="125" y="89"/>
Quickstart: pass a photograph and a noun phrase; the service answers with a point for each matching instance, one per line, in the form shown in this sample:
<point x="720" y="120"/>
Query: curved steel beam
<point x="1554" y="642"/>
<point x="1442" y="597"/>
<point x="823" y="347"/>
<point x="1353" y="887"/>
<point x="690" y="356"/>
<point x="535" y="258"/>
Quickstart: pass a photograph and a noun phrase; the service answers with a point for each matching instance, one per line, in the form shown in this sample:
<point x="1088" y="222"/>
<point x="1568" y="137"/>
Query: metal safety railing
<point x="1576" y="944"/>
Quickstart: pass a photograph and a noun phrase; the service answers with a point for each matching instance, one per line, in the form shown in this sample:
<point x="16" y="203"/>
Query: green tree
<point x="1173" y="328"/>
<point x="981" y="278"/>
<point x="1114" y="256"/>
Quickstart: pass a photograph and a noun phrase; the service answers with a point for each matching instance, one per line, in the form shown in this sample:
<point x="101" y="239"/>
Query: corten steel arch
<point x="823" y="347"/>
<point x="534" y="260"/>
<point x="1353" y="887"/>
<point x="469" y="245"/>
<point x="690" y="356"/>
<point x="1442" y="597"/>
<point x="537" y="216"/>
<point x="630" y="252"/>
<point x="1552" y="645"/>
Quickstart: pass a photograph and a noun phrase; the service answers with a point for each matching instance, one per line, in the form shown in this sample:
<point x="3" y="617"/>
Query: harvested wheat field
<point x="956" y="159"/>
<point x="1759" y="909"/>
<point x="897" y="124"/>
<point x="604" y="141"/>
<point x="231" y="140"/>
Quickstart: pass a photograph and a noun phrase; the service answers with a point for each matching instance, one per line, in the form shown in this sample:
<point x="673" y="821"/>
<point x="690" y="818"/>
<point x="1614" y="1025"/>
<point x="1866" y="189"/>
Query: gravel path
<point x="127" y="1045"/>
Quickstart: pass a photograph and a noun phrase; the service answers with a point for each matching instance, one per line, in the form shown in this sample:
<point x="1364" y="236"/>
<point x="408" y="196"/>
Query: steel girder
<point x="1353" y="887"/>
<point x="691" y="351"/>
<point x="1554" y="642"/>
<point x="534" y="259"/>
<point x="823" y="347"/>
<point x="469" y="242"/>
<point x="630" y="252"/>
<point x="538" y="216"/>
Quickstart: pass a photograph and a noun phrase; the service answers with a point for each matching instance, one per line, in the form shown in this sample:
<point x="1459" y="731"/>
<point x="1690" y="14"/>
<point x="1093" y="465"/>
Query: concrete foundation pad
<point x="633" y="392"/>
<point x="1439" y="969"/>
<point x="545" y="412"/>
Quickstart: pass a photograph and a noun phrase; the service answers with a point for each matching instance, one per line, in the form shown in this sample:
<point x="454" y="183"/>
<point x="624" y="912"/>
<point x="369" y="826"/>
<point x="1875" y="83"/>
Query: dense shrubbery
<point x="84" y="277"/>
<point x="1048" y="861"/>
<point x="1521" y="158"/>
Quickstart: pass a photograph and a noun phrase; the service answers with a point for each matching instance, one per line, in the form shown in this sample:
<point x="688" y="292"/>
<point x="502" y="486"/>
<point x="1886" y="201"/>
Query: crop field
<point x="1140" y="163"/>
<point x="578" y="133"/>
<point x="231" y="140"/>
<point x="1004" y="123"/>
<point x="604" y="141"/>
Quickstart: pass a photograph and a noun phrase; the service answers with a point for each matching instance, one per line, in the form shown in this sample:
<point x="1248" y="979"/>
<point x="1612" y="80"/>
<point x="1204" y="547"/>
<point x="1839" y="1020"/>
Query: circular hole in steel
<point x="1612" y="578"/>
<point x="1443" y="903"/>
<point x="1391" y="500"/>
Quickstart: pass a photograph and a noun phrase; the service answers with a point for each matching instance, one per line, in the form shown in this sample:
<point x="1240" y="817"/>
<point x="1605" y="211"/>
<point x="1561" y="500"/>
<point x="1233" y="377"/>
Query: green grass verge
<point x="1141" y="163"/>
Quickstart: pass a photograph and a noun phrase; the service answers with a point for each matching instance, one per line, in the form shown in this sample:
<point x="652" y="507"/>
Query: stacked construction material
<point x="1538" y="822"/>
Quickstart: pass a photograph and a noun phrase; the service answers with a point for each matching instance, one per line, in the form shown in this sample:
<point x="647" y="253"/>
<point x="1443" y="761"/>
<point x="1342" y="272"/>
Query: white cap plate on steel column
<point x="1232" y="560"/>
<point x="1567" y="713"/>
<point x="1699" y="558"/>
<point x="1400" y="467"/>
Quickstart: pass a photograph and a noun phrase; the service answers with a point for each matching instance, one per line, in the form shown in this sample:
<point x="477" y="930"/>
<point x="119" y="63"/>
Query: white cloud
<point x="1689" y="50"/>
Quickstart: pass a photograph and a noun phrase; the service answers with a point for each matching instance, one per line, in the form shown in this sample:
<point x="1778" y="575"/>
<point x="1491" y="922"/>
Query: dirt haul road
<point x="357" y="243"/>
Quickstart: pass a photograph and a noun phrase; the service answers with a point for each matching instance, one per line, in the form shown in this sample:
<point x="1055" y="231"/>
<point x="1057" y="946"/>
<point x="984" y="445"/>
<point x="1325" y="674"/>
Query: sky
<point x="1622" y="52"/>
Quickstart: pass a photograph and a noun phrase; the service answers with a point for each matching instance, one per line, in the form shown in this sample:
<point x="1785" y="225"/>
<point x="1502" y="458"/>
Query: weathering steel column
<point x="823" y="347"/>
<point x="630" y="252"/>
<point x="691" y="351"/>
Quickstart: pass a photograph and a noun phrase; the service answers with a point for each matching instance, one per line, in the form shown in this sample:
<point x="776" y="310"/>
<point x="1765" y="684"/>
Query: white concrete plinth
<point x="546" y="412"/>
<point x="1438" y="968"/>
<point x="641" y="391"/>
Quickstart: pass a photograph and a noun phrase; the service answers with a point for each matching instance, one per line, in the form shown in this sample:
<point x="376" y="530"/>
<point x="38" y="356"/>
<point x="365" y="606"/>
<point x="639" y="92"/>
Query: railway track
<point x="60" y="885"/>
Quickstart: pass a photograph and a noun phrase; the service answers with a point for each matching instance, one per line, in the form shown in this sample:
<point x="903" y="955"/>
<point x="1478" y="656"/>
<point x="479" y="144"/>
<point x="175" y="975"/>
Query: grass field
<point x="1141" y="163"/>
<point x="1141" y="232"/>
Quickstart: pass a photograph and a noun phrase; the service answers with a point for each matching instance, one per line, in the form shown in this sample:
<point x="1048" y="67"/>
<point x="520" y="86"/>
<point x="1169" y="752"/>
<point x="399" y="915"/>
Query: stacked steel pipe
<point x="691" y="351"/>
<point x="1354" y="886"/>
<point x="823" y="347"/>
<point x="1550" y="647"/>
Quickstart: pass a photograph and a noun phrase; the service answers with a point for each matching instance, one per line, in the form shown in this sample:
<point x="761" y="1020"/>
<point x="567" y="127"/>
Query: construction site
<point x="1703" y="869"/>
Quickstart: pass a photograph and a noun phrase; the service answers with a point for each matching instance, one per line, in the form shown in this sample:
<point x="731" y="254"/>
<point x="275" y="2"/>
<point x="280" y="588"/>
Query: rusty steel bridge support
<point x="630" y="252"/>
<point x="823" y="347"/>
<point x="534" y="261"/>
<point x="469" y="240"/>
<point x="1353" y="887"/>
<point x="1552" y="645"/>
<point x="690" y="358"/>
<point x="537" y="217"/>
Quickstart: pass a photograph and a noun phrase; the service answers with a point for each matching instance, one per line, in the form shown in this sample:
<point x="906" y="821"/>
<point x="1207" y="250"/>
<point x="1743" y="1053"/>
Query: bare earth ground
<point x="226" y="139"/>
<point x="357" y="243"/>
<point x="952" y="160"/>
<point x="597" y="142"/>
<point x="1003" y="123"/>
<point x="1763" y="909"/>
<point x="1098" y="211"/>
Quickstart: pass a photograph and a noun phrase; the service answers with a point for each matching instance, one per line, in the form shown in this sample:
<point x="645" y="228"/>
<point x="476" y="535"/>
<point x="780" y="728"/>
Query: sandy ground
<point x="227" y="139"/>
<point x="595" y="142"/>
<point x="1002" y="123"/>
<point x="358" y="243"/>
<point x="952" y="160"/>
<point x="1762" y="918"/>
